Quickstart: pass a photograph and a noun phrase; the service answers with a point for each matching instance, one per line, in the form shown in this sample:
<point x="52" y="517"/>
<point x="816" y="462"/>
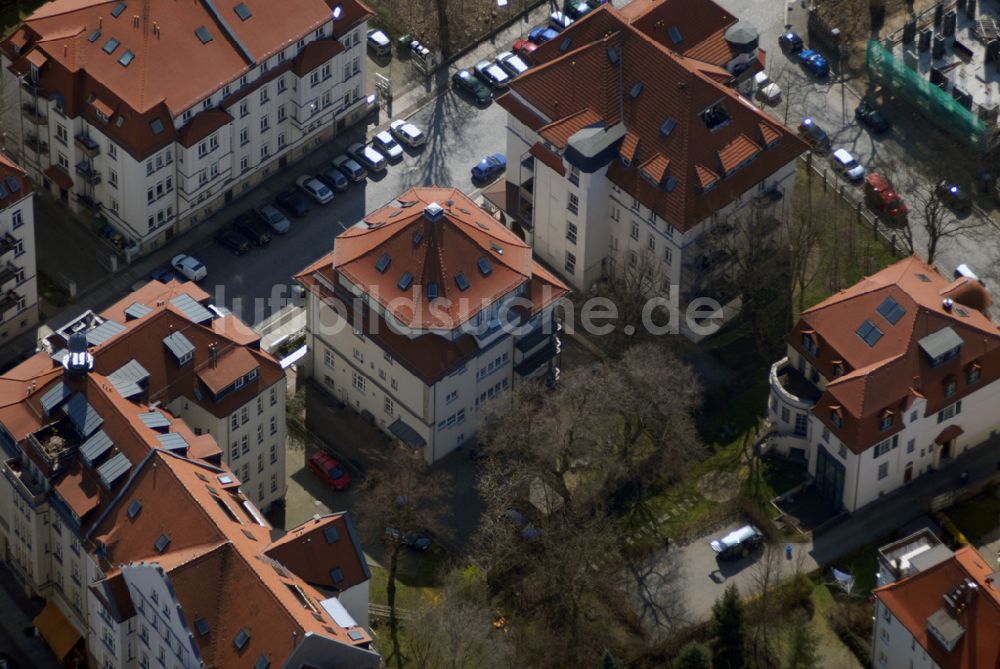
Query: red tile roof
<point x="307" y="552"/>
<point x="559" y="132"/>
<point x="895" y="370"/>
<point x="916" y="598"/>
<point x="546" y="157"/>
<point x="656" y="168"/>
<point x="10" y="170"/>
<point x="521" y="111"/>
<point x="565" y="84"/>
<point x="444" y="253"/>
<point x="736" y="151"/>
<point x="172" y="69"/>
<point x="234" y="363"/>
<point x="202" y="125"/>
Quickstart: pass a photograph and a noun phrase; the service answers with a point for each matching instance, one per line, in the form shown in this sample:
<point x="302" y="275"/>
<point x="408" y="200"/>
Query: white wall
<point x="18" y="220"/>
<point x="894" y="647"/>
<point x="160" y="631"/>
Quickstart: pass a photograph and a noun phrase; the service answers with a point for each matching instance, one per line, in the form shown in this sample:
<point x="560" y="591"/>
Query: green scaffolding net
<point x="935" y="104"/>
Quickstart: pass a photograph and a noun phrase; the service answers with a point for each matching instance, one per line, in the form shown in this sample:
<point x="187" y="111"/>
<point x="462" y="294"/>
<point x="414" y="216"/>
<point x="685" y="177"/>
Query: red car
<point x="329" y="471"/>
<point x="523" y="47"/>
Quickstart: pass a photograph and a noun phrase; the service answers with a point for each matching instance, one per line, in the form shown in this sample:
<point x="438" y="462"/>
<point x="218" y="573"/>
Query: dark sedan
<point x="233" y="241"/>
<point x="466" y="82"/>
<point x="334" y="179"/>
<point x="868" y="114"/>
<point x="489" y="168"/>
<point x="293" y="202"/>
<point x="247" y="225"/>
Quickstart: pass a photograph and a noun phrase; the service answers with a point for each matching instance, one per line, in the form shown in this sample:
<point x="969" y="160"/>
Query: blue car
<point x="489" y="168"/>
<point x="814" y="62"/>
<point x="542" y="34"/>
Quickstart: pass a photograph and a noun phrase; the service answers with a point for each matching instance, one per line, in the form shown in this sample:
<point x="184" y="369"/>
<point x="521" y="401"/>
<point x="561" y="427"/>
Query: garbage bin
<point x="403" y="46"/>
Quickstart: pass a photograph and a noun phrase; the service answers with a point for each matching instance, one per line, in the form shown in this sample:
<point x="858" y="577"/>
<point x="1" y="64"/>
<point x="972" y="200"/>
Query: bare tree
<point x="765" y="576"/>
<point x="936" y="221"/>
<point x="804" y="235"/>
<point x="402" y="500"/>
<point x="633" y="278"/>
<point x="459" y="630"/>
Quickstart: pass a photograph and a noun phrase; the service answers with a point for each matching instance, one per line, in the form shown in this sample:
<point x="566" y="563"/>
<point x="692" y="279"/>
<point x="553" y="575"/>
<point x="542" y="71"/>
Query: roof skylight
<point x="668" y="127"/>
<point x="241" y="639"/>
<point x="118" y="9"/>
<point x="675" y="34"/>
<point x="461" y="281"/>
<point x="201" y="625"/>
<point x="869" y="333"/>
<point x="383" y="263"/>
<point x="242" y="11"/>
<point x="613" y="55"/>
<point x="484" y="267"/>
<point x="890" y="310"/>
<point x="636" y="90"/>
<point x="203" y="34"/>
<point x="94" y="36"/>
<point x="432" y="290"/>
<point x="110" y="46"/>
<point x="331" y="534"/>
<point x="126" y="58"/>
<point x="405" y="281"/>
<point x="134" y="508"/>
<point x="162" y="543"/>
<point x="156" y="125"/>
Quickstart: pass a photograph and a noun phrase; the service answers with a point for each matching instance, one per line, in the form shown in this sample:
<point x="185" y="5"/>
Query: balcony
<point x="7" y="244"/>
<point x="33" y="115"/>
<point x="8" y="272"/>
<point x="23" y="481"/>
<point x="791" y="388"/>
<point x="35" y="144"/>
<point x="87" y="171"/>
<point x="8" y="300"/>
<point x="88" y="146"/>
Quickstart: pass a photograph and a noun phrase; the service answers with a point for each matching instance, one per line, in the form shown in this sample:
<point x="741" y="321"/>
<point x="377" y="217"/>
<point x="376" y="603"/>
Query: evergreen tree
<point x="693" y="656"/>
<point x="611" y="661"/>
<point x="728" y="631"/>
<point x="802" y="649"/>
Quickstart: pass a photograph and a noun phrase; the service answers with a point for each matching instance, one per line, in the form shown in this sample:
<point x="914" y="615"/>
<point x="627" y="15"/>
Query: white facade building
<point x="18" y="267"/>
<point x="444" y="310"/>
<point x="887" y="380"/>
<point x="179" y="109"/>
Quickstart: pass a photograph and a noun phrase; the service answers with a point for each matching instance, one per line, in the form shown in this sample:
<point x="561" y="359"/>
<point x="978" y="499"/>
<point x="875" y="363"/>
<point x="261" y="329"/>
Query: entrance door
<point x="830" y="477"/>
<point x="946" y="449"/>
<point x="228" y="196"/>
<point x="908" y="473"/>
<point x="283" y="161"/>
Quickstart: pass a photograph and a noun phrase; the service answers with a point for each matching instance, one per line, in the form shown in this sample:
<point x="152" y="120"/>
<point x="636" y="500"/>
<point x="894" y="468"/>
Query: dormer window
<point x="715" y="116"/>
<point x="885" y="420"/>
<point x="941" y="346"/>
<point x="950" y="386"/>
<point x="973" y="373"/>
<point x="810" y="343"/>
<point x="837" y="417"/>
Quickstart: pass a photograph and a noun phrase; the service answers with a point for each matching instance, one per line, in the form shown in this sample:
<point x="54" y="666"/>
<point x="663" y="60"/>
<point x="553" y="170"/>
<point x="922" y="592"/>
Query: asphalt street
<point x="458" y="133"/>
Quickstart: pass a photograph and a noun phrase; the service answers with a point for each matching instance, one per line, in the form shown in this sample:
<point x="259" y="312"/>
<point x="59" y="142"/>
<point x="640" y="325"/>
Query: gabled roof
<point x="904" y="303"/>
<point x="14" y="184"/>
<point x="609" y="54"/>
<point x="318" y="546"/>
<point x="915" y="599"/>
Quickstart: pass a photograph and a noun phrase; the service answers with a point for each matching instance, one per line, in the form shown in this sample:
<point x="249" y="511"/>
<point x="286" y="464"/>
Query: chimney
<point x="433" y="212"/>
<point x="78" y="361"/>
<point x="213" y="351"/>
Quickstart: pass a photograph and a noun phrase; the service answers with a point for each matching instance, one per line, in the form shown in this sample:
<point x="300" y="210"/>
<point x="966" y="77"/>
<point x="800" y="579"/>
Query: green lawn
<point x="978" y="516"/>
<point x="862" y="564"/>
<point x="849" y="248"/>
<point x="418" y="578"/>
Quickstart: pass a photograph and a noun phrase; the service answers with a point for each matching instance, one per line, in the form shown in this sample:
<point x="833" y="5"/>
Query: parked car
<point x="466" y="82"/>
<point x="163" y="274"/>
<point x="868" y="114"/>
<point x="329" y="470"/>
<point x="414" y="540"/>
<point x="814" y="135"/>
<point x="387" y="144"/>
<point x="492" y="74"/>
<point x="189" y="267"/>
<point x="765" y="89"/>
<point x="314" y="188"/>
<point x="233" y="241"/>
<point x="790" y="42"/>
<point x="523" y="47"/>
<point x="576" y="9"/>
<point x="882" y="198"/>
<point x="378" y="43"/>
<point x="247" y="225"/>
<point x="334" y="179"/>
<point x="350" y="168"/>
<point x="738" y="543"/>
<point x="953" y="196"/>
<point x="814" y="62"/>
<point x="489" y="168"/>
<point x="559" y="21"/>
<point x="848" y="165"/>
<point x="293" y="202"/>
<point x="273" y="218"/>
<point x="542" y="34"/>
<point x="368" y="156"/>
<point x="407" y="133"/>
<point x="512" y="64"/>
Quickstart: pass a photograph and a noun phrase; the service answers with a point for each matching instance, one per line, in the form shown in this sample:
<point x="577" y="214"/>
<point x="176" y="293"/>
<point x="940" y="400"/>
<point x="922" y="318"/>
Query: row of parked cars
<point x="488" y="76"/>
<point x="255" y="228"/>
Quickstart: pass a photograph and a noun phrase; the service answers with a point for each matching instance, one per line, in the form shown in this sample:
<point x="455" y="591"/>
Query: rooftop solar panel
<point x="191" y="309"/>
<point x="154" y="420"/>
<point x="172" y="441"/>
<point x="112" y="470"/>
<point x="891" y="311"/>
<point x="84" y="417"/>
<point x="55" y="396"/>
<point x="179" y="345"/>
<point x="104" y="332"/>
<point x="136" y="310"/>
<point x="96" y="446"/>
